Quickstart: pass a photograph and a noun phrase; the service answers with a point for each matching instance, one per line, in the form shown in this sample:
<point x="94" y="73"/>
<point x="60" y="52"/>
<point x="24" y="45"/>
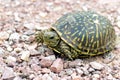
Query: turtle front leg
<point x="66" y="50"/>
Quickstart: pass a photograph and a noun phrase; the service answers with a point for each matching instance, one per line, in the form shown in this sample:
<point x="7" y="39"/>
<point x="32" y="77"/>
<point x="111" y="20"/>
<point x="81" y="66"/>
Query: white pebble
<point x="96" y="65"/>
<point x="1" y="50"/>
<point x="96" y="76"/>
<point x="118" y="10"/>
<point x="8" y="73"/>
<point x="118" y="23"/>
<point x="25" y="55"/>
<point x="8" y="13"/>
<point x="31" y="76"/>
<point x="109" y="77"/>
<point x="79" y="71"/>
<point x="51" y="57"/>
<point x="4" y="35"/>
<point x="10" y="59"/>
<point x="29" y="25"/>
<point x="14" y="36"/>
<point x="46" y="77"/>
<point x="16" y="16"/>
<point x="25" y="38"/>
<point x="57" y="8"/>
<point x="43" y="14"/>
<point x="9" y="48"/>
<point x="17" y="78"/>
<point x="91" y="69"/>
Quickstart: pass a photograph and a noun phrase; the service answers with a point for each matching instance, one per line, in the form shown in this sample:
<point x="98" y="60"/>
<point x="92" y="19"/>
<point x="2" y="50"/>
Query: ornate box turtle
<point x="79" y="34"/>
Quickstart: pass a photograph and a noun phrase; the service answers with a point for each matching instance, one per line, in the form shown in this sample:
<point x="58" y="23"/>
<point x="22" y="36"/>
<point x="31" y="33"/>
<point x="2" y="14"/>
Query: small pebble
<point x="29" y="26"/>
<point x="118" y="10"/>
<point x="10" y="59"/>
<point x="46" y="62"/>
<point x="40" y="28"/>
<point x="91" y="69"/>
<point x="41" y="50"/>
<point x="69" y="71"/>
<point x="31" y="76"/>
<point x="109" y="77"/>
<point x="14" y="37"/>
<point x="62" y="73"/>
<point x="4" y="35"/>
<point x="17" y="50"/>
<point x="96" y="76"/>
<point x="50" y="57"/>
<point x="96" y="72"/>
<point x="66" y="78"/>
<point x="45" y="70"/>
<point x="16" y="17"/>
<point x="35" y="67"/>
<point x="8" y="73"/>
<point x="43" y="14"/>
<point x="75" y="76"/>
<point x="66" y="64"/>
<point x="29" y="32"/>
<point x="24" y="38"/>
<point x="79" y="71"/>
<point x="2" y="68"/>
<point x="85" y="71"/>
<point x="77" y="62"/>
<point x="32" y="49"/>
<point x="117" y="75"/>
<point x="57" y="65"/>
<point x="118" y="21"/>
<point x="1" y="50"/>
<point x="25" y="55"/>
<point x="57" y="8"/>
<point x="9" y="48"/>
<point x="17" y="78"/>
<point x="9" y="13"/>
<point x="96" y="65"/>
<point x="46" y="77"/>
<point x="54" y="76"/>
<point x="38" y="77"/>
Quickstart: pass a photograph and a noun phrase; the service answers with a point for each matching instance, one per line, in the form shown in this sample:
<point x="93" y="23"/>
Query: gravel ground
<point x="19" y="58"/>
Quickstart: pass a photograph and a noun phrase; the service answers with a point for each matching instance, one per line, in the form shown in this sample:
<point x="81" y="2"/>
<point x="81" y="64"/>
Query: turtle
<point x="79" y="34"/>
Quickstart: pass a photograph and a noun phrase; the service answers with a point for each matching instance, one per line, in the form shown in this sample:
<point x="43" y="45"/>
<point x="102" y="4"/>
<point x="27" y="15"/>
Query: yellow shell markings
<point x="96" y="24"/>
<point x="96" y="21"/>
<point x="99" y="39"/>
<point x="74" y="33"/>
<point x="91" y="34"/>
<point x="86" y="40"/>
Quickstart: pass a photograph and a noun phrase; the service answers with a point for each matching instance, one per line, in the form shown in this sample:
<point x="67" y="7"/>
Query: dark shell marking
<point x="87" y="32"/>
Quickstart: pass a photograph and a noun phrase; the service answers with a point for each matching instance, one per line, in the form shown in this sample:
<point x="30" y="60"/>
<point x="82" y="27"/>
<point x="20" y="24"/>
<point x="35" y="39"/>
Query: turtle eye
<point x="52" y="37"/>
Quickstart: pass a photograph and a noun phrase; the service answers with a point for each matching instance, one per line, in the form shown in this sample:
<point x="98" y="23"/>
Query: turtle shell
<point x="86" y="32"/>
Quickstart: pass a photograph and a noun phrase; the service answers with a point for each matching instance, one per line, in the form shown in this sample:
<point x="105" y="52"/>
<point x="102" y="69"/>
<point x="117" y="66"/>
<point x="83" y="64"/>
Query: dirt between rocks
<point x="19" y="59"/>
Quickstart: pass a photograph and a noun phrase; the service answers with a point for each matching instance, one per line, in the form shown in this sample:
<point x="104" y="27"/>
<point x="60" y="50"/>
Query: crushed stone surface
<point x="19" y="58"/>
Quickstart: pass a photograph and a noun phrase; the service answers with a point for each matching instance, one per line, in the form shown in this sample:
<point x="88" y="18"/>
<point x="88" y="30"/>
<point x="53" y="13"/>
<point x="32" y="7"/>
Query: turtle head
<point x="49" y="37"/>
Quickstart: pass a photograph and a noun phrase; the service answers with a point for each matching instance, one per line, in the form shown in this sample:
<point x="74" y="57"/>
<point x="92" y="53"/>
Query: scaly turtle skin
<point x="79" y="34"/>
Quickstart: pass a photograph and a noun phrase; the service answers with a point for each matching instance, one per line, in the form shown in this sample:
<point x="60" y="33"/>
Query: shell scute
<point x="86" y="32"/>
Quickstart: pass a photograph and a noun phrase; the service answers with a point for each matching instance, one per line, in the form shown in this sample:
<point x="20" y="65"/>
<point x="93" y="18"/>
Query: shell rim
<point x="80" y="51"/>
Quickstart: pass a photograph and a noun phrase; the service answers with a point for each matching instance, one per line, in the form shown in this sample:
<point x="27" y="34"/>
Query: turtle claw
<point x="70" y="57"/>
